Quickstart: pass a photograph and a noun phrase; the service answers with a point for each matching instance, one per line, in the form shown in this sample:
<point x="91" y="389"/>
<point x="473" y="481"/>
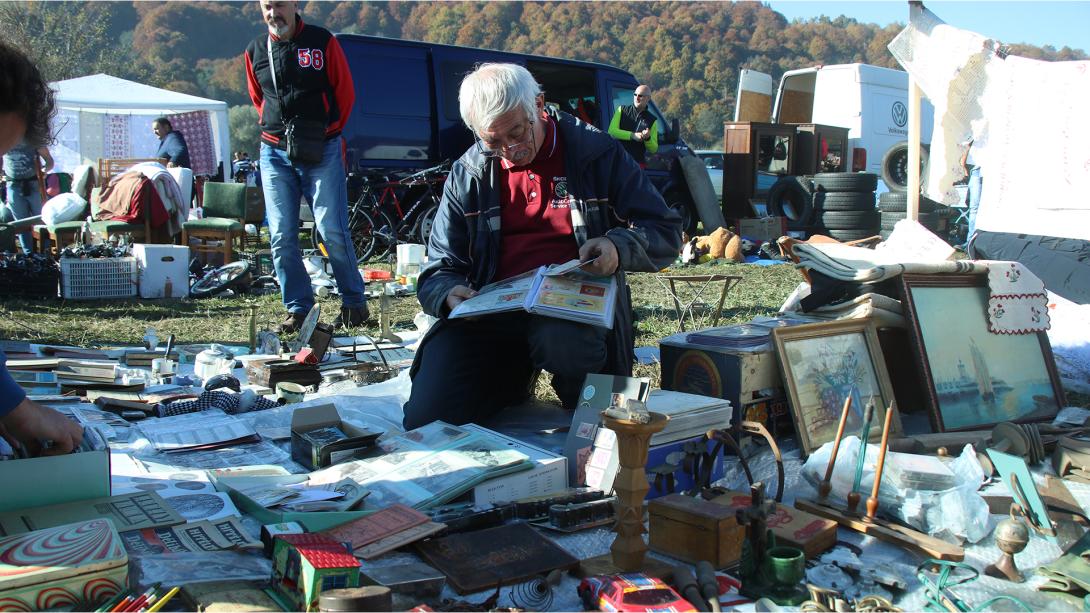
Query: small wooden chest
<point x="792" y="527"/>
<point x="76" y="566"/>
<point x="693" y="529"/>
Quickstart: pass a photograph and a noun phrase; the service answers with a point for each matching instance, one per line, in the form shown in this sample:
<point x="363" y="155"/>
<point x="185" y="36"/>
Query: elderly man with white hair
<point x="539" y="187"/>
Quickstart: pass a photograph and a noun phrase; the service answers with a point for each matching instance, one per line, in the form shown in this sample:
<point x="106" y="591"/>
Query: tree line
<point x="689" y="52"/>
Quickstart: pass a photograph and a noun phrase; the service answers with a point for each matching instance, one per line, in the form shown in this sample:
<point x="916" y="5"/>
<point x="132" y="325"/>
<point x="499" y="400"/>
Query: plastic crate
<point x="96" y="278"/>
<point x="22" y="280"/>
<point x="260" y="262"/>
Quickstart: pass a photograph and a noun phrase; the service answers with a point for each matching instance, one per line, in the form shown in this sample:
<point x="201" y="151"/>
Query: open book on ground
<point x="564" y="291"/>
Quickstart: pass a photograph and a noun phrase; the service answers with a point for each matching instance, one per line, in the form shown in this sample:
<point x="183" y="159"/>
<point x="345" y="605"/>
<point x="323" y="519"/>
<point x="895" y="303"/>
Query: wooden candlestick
<point x="826" y="485"/>
<point x="872" y="502"/>
<point x="630" y="486"/>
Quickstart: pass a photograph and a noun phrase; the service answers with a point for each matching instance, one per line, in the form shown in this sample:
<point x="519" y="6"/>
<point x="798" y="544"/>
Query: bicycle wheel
<point x="427" y="220"/>
<point x="364" y="228"/>
<point x="221" y="279"/>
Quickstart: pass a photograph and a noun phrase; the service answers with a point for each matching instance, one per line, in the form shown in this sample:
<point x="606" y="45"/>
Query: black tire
<point x="848" y="235"/>
<point x="850" y="220"/>
<point x="236" y="274"/>
<point x="679" y="201"/>
<point x="846" y="182"/>
<point x="897" y="202"/>
<point x="927" y="220"/>
<point x="363" y="225"/>
<point x="895" y="166"/>
<point x="789" y="198"/>
<point x="844" y="201"/>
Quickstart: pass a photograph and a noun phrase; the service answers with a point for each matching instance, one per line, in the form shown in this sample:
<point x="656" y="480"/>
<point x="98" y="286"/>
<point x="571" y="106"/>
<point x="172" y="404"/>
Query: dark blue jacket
<point x="611" y="197"/>
<point x="173" y="148"/>
<point x="11" y="393"/>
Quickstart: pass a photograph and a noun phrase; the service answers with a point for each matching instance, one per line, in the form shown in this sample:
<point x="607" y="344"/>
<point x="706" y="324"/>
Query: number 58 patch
<point x="311" y="58"/>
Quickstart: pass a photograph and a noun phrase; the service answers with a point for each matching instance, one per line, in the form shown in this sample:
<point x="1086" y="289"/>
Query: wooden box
<point x="76" y="566"/>
<point x="792" y="527"/>
<point x="693" y="529"/>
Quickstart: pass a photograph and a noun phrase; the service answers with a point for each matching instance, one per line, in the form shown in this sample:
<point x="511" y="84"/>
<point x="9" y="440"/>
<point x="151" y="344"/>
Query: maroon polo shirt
<point x="535" y="221"/>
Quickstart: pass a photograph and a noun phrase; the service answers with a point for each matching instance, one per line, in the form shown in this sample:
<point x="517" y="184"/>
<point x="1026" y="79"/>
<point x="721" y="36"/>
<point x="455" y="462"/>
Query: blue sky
<point x="1037" y="23"/>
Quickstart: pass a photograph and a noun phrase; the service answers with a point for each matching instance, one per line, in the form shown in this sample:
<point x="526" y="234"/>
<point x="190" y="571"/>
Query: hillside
<point x="689" y="52"/>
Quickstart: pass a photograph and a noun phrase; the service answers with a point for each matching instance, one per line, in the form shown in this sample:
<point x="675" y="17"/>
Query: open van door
<point x="754" y="99"/>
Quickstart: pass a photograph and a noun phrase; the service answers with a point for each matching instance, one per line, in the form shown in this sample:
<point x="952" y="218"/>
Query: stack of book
<point x="752" y="336"/>
<point x="85" y="371"/>
<point x="690" y="414"/>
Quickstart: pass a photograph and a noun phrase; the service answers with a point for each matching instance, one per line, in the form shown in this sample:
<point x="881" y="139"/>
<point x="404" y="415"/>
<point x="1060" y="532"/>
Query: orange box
<point x="370" y="274"/>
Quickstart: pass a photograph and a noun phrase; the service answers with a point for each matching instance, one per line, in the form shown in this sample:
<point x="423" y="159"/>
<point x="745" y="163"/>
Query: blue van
<point x="406" y="116"/>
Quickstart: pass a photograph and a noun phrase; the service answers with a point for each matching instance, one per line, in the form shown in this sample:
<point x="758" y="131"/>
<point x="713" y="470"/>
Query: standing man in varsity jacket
<point x="307" y="79"/>
<point x="635" y="127"/>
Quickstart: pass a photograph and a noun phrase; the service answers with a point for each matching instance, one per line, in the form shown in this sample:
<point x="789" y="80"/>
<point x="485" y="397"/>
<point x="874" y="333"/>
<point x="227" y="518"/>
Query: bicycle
<point x="374" y="232"/>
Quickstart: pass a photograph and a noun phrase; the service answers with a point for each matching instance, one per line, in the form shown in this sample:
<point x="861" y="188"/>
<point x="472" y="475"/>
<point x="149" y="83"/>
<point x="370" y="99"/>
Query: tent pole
<point x="913" y="188"/>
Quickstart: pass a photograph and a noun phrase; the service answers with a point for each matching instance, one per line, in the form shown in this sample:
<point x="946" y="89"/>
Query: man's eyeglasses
<point x="495" y="150"/>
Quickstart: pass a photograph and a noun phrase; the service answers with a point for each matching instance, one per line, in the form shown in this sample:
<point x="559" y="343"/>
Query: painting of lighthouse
<point x="975" y="378"/>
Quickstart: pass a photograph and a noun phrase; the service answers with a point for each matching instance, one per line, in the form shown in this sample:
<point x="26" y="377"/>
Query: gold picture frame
<point x="821" y="364"/>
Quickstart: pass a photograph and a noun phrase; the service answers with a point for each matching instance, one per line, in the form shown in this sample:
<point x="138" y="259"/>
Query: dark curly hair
<point x="23" y="91"/>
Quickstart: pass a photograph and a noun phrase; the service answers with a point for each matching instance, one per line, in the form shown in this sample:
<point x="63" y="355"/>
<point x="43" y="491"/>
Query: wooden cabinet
<point x="754" y="156"/>
<point x="821" y="148"/>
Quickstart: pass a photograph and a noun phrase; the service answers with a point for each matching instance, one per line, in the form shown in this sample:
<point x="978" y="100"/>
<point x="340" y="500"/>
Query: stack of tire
<point x="844" y="205"/>
<point x="894" y="208"/>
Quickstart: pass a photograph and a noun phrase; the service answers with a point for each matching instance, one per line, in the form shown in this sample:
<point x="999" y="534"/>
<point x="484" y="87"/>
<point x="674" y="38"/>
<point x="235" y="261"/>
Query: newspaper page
<point x="426" y="466"/>
<point x="181" y="432"/>
<point x="218" y="535"/>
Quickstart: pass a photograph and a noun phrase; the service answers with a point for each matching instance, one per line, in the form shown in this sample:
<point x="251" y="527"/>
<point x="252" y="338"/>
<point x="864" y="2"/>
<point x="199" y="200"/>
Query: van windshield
<point x="623" y="95"/>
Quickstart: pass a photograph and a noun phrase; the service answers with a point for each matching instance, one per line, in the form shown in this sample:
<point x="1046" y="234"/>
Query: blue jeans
<point x="975" y="183"/>
<point x="323" y="185"/>
<point x="22" y="206"/>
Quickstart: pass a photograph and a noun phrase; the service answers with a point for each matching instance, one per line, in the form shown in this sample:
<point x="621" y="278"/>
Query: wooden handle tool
<point x="826" y="485"/>
<point x="872" y="502"/>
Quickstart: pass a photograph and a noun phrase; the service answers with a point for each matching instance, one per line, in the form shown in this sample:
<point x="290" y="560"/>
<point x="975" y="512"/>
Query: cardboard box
<point x="57" y="479"/>
<point x="604" y="463"/>
<point x="548" y="476"/>
<point x="750" y="380"/>
<point x="694" y="529"/>
<point x="158" y="264"/>
<point x="314" y="451"/>
<point x="762" y="228"/>
<point x="79" y="565"/>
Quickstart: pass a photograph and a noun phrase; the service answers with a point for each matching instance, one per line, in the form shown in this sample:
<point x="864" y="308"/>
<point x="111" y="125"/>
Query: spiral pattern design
<point x="68" y="545"/>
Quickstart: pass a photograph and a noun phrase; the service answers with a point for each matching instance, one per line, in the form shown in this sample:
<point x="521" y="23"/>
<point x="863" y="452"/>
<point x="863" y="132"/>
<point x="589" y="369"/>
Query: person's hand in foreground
<point x="32" y="425"/>
<point x="459" y="294"/>
<point x="603" y="252"/>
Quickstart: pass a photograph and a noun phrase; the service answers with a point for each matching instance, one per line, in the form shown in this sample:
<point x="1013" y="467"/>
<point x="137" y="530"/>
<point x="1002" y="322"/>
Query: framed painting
<point x="822" y="364"/>
<point x="972" y="378"/>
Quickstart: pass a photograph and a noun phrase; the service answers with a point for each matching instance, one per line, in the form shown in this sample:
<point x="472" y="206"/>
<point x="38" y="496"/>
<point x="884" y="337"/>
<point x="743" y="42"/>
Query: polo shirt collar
<point x="547" y="150"/>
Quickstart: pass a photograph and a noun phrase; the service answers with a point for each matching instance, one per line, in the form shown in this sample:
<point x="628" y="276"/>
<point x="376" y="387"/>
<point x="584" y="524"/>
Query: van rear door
<point x="754" y="99"/>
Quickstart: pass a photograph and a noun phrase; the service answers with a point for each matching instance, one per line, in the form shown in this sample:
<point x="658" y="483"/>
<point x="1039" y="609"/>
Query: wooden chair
<point x="224" y="210"/>
<point x="110" y="168"/>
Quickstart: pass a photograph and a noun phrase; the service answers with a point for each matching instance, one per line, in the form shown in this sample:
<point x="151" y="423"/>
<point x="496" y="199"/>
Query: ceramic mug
<point x="290" y="392"/>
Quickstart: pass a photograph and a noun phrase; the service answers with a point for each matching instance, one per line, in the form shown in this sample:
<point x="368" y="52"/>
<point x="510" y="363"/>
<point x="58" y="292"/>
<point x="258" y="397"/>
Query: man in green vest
<point x="634" y="126"/>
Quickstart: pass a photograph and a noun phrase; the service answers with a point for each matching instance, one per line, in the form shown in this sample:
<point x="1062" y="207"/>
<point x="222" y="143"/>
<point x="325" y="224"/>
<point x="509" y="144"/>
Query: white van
<point x="871" y="101"/>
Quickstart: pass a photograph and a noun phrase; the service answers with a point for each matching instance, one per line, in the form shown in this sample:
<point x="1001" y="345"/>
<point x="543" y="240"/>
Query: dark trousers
<point x="469" y="370"/>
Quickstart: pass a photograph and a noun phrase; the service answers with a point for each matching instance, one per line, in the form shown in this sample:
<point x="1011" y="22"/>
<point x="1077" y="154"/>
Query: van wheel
<point x="897" y="202"/>
<point x="681" y="203"/>
<point x="895" y="166"/>
<point x="789" y="198"/>
<point x="844" y="201"/>
<point x="846" y="181"/>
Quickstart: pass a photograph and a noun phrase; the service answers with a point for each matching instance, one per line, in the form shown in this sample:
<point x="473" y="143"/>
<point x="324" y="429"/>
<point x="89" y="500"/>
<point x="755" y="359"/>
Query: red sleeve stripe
<point x="256" y="94"/>
<point x="340" y="79"/>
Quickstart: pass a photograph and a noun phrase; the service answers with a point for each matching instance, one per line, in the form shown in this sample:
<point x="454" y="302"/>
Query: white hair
<point x="494" y="89"/>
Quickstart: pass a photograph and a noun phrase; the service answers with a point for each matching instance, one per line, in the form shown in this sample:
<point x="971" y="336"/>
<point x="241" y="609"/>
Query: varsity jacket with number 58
<point x="313" y="78"/>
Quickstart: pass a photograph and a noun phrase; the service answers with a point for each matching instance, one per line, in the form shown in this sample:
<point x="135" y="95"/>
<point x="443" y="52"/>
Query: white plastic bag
<point x="63" y="207"/>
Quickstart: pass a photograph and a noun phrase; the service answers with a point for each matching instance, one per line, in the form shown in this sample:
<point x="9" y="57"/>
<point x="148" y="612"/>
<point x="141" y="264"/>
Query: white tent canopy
<point x="83" y="103"/>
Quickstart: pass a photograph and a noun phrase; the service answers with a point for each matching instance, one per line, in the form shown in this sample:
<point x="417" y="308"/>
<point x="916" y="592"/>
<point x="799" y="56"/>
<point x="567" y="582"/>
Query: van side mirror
<point x="673" y="131"/>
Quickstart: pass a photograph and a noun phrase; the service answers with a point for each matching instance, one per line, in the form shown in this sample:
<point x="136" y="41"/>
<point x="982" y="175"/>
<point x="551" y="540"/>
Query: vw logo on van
<point x="900" y="114"/>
